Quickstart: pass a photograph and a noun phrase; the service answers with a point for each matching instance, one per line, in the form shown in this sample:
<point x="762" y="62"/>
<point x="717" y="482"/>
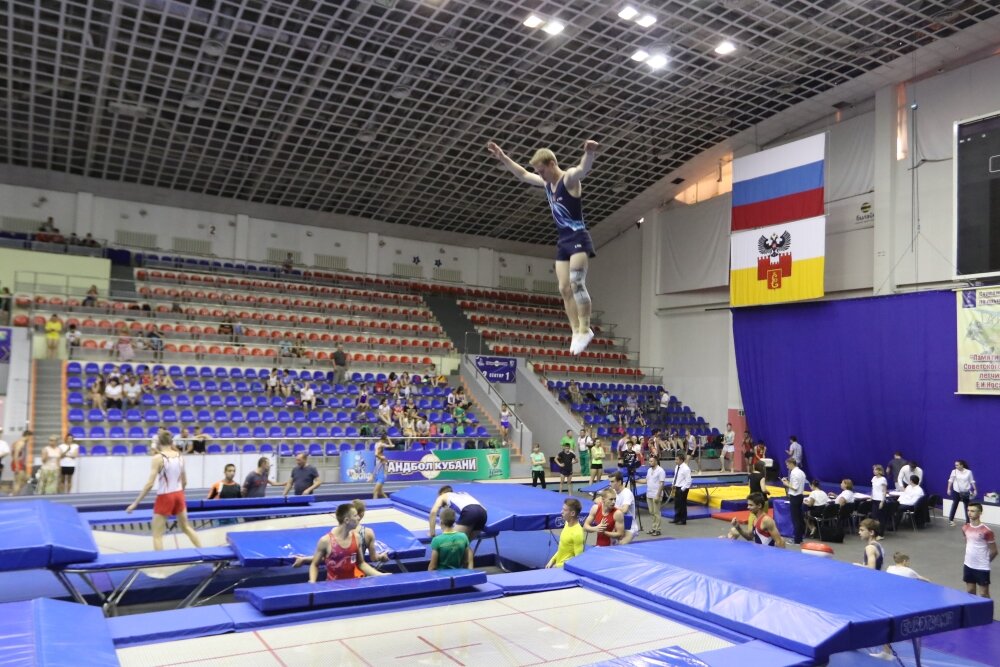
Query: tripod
<point x="630" y="469"/>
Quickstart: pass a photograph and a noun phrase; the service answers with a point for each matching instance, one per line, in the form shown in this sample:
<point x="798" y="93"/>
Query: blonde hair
<point x="542" y="155"/>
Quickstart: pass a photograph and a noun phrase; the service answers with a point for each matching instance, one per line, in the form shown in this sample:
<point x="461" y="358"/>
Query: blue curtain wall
<point x="856" y="380"/>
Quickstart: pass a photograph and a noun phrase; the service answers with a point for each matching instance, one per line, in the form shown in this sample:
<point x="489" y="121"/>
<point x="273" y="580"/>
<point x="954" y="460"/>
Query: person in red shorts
<point x="340" y="550"/>
<point x="167" y="473"/>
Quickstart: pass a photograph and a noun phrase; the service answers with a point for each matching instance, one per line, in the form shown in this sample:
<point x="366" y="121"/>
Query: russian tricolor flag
<point x="779" y="185"/>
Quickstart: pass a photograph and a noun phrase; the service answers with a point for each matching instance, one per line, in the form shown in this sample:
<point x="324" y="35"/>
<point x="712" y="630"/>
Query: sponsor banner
<point x="978" y="318"/>
<point x="845" y="215"/>
<point x="779" y="185"/>
<point x="778" y="263"/>
<point x="5" y="336"/>
<point x="412" y="465"/>
<point x="498" y="369"/>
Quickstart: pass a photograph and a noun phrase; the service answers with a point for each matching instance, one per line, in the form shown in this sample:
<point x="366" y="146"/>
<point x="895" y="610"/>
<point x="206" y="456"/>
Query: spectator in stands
<point x="288" y="264"/>
<point x="132" y="389"/>
<point x="154" y="341"/>
<point x="285" y="384"/>
<point x="255" y="484"/>
<point x="299" y="347"/>
<point x="961" y="488"/>
<point x="163" y="382"/>
<point x="72" y="339"/>
<point x="146" y="380"/>
<point x="462" y="399"/>
<point x="632" y="403"/>
<point x="422" y="427"/>
<point x="664" y="400"/>
<point x="73" y="239"/>
<point x="440" y="379"/>
<point x="605" y="403"/>
<point x="48" y="475"/>
<point x="909" y="470"/>
<point x="307" y="397"/>
<point x="817" y="499"/>
<point x="304" y="478"/>
<point x="113" y="394"/>
<point x="363" y="396"/>
<point x="90" y="242"/>
<point x="392" y="384"/>
<point x="95" y="397"/>
<point x="458" y="414"/>
<point x="175" y="308"/>
<point x="53" y="334"/>
<point x="67" y="463"/>
<point x="271" y="386"/>
<point x="340" y="362"/>
<point x="285" y="348"/>
<point x="90" y="299"/>
<point x="574" y="392"/>
<point x="407" y="424"/>
<point x="197" y="443"/>
<point x="226" y="487"/>
<point x="114" y="372"/>
<point x="384" y="412"/>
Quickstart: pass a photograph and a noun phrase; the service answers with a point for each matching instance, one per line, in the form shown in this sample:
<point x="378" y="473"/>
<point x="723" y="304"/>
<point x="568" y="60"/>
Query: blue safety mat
<point x="144" y="559"/>
<point x="169" y="625"/>
<point x="364" y="589"/>
<point x="534" y="581"/>
<point x="672" y="656"/>
<point x="753" y="653"/>
<point x="508" y="506"/>
<point x="54" y="634"/>
<point x="39" y="533"/>
<point x="747" y="589"/>
<point x="268" y="548"/>
<point x="104" y="518"/>
<point x="693" y="511"/>
<point x="246" y="617"/>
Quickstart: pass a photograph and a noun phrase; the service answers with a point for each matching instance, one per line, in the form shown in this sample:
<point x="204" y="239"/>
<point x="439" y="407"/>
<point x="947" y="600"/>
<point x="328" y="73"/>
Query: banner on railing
<point x="5" y="335"/>
<point x="416" y="464"/>
<point x="498" y="369"/>
<point x="978" y="318"/>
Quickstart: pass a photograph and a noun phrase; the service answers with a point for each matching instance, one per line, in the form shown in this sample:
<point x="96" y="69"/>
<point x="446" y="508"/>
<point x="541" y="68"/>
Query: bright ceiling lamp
<point x="725" y="48"/>
<point x="640" y="56"/>
<point x="628" y="13"/>
<point x="657" y="61"/>
<point x="533" y="21"/>
<point x="646" y="21"/>
<point x="554" y="27"/>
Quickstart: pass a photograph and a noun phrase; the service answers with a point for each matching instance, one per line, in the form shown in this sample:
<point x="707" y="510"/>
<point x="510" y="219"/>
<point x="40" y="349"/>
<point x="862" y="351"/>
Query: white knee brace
<point x="577" y="278"/>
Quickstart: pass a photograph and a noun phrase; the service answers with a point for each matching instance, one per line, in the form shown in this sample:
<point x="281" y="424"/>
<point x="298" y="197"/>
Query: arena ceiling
<point x="381" y="109"/>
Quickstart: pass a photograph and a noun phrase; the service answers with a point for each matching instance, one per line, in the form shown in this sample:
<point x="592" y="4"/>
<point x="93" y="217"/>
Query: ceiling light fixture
<point x="400" y="92"/>
<point x="366" y="137"/>
<point x="646" y="21"/>
<point x="639" y="56"/>
<point x="554" y="27"/>
<point x="620" y="186"/>
<point x="547" y="128"/>
<point x="657" y="61"/>
<point x="725" y="48"/>
<point x="533" y="21"/>
<point x="628" y="13"/>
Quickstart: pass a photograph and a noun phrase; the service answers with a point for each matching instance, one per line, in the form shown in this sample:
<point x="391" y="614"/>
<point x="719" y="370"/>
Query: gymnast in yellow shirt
<point x="572" y="538"/>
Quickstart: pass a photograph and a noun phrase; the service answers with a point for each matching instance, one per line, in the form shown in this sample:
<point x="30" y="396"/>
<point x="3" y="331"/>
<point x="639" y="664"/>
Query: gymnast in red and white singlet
<point x="342" y="562"/>
<point x="170" y="487"/>
<point x="604" y="539"/>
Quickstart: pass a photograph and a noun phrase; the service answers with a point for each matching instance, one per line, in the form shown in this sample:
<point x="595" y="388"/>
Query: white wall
<point x="243" y="237"/>
<point x="614" y="282"/>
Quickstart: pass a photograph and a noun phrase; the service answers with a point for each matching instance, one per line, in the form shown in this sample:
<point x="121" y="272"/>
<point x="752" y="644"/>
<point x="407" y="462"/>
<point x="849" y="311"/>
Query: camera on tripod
<point x="630" y="462"/>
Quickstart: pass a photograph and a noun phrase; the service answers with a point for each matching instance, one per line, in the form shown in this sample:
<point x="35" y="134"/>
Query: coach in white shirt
<point x="625" y="501"/>
<point x="795" y="485"/>
<point x="909" y="470"/>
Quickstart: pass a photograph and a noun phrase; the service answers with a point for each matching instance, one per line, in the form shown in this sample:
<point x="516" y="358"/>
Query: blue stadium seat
<point x="77" y="432"/>
<point x="253" y="417"/>
<point x="221" y="416"/>
<point x="237" y="417"/>
<point x="213" y="449"/>
<point x="209" y="431"/>
<point x="315" y="449"/>
<point x="342" y="417"/>
<point x="261" y="401"/>
<point x="190" y="372"/>
<point x="169" y="416"/>
<point x="241" y="387"/>
<point x="351" y="432"/>
<point x="194" y="386"/>
<point x="357" y="377"/>
<point x="256" y="387"/>
<point x="352" y="390"/>
<point x="481" y="432"/>
<point x="307" y="432"/>
<point x="136" y="433"/>
<point x="277" y="402"/>
<point x="333" y="402"/>
<point x="116" y="433"/>
<point x="95" y="415"/>
<point x="236" y="372"/>
<point x="291" y="432"/>
<point x="199" y="401"/>
<point x="139" y="450"/>
<point x="114" y="415"/>
<point x="314" y="417"/>
<point x="394" y="432"/>
<point x="187" y="416"/>
<point x="250" y="373"/>
<point x="284" y="450"/>
<point x="151" y="431"/>
<point x="91" y="369"/>
<point x="226" y="432"/>
<point x="98" y="450"/>
<point x="329" y="416"/>
<point x="345" y="447"/>
<point x="457" y="444"/>
<point x="225" y="386"/>
<point x="75" y="415"/>
<point x="249" y="448"/>
<point x="74" y="383"/>
<point x="148" y="401"/>
<point x="275" y="432"/>
<point x="347" y="403"/>
<point x="336" y="431"/>
<point x="204" y="416"/>
<point x="243" y="432"/>
<point x="284" y="417"/>
<point x="211" y="386"/>
<point x="206" y="372"/>
<point x="360" y="446"/>
<point x="108" y="368"/>
<point x="266" y="448"/>
<point x="331" y="449"/>
<point x="260" y="431"/>
<point x="183" y="401"/>
<point x="298" y="448"/>
<point x="263" y="374"/>
<point x="97" y="432"/>
<point x="166" y="401"/>
<point x="221" y="372"/>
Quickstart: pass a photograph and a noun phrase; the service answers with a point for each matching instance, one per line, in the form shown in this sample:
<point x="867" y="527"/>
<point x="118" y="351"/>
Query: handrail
<point x="490" y="389"/>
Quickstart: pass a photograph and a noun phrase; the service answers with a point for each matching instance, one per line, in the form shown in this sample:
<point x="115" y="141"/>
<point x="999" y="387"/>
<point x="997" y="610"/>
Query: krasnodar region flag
<point x="779" y="185"/>
<point x="778" y="263"/>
